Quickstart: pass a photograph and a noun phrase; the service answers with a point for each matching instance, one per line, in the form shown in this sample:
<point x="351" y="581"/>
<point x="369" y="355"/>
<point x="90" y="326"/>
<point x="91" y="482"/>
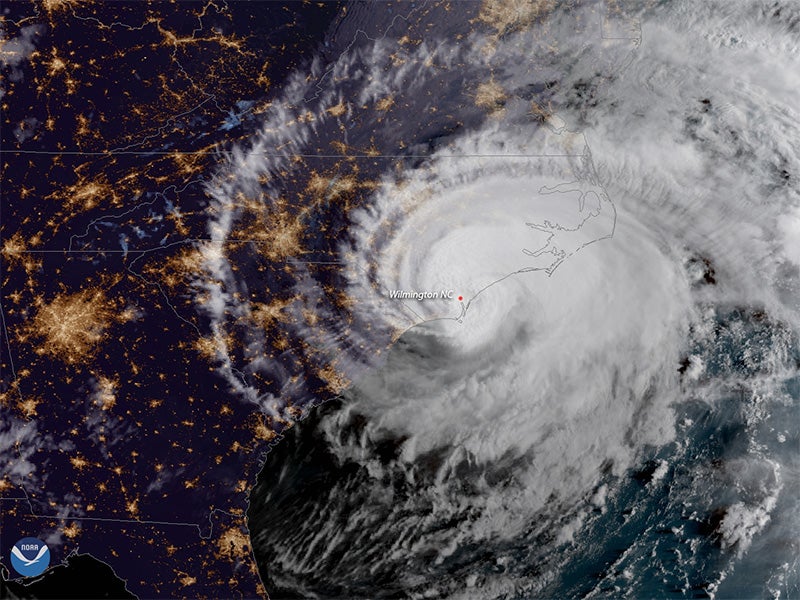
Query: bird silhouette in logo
<point x="18" y="553"/>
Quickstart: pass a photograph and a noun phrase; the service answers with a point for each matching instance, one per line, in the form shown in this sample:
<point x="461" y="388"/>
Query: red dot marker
<point x="460" y="298"/>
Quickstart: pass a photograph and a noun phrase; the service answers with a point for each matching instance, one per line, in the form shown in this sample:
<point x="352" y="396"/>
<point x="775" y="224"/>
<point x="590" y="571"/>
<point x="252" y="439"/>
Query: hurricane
<point x="540" y="333"/>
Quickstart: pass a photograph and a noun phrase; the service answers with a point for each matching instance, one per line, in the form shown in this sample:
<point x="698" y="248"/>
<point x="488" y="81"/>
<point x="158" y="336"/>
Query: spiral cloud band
<point x="538" y="303"/>
<point x="483" y="212"/>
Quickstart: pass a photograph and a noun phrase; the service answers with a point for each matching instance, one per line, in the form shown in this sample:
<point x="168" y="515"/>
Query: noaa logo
<point x="30" y="557"/>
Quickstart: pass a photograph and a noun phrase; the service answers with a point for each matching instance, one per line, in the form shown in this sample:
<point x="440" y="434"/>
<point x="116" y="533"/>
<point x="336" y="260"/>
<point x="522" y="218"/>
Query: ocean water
<point x="338" y="513"/>
<point x="612" y="410"/>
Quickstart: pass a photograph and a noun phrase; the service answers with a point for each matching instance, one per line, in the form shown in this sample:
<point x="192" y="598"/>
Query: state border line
<point x="32" y="514"/>
<point x="278" y="154"/>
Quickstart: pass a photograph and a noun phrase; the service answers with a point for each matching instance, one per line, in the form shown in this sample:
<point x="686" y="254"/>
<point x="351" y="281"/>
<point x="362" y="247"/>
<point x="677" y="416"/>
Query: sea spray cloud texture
<point x="613" y="409"/>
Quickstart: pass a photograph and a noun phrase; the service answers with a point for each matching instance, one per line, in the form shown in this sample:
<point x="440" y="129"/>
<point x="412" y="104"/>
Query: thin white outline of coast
<point x="591" y="179"/>
<point x="607" y="23"/>
<point x="460" y="318"/>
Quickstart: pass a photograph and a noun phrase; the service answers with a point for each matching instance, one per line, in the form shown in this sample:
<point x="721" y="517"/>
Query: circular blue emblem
<point x="30" y="557"/>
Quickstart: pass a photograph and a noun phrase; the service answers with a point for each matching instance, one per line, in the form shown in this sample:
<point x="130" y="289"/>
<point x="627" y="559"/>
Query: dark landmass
<point x="82" y="577"/>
